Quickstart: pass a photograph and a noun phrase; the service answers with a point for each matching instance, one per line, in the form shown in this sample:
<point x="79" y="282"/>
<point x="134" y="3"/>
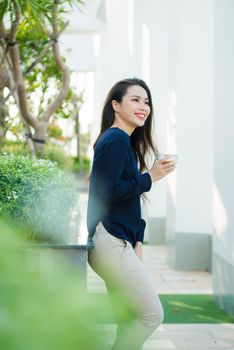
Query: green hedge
<point x="57" y="154"/>
<point x="53" y="152"/>
<point x="81" y="164"/>
<point x="14" y="147"/>
<point x="36" y="195"/>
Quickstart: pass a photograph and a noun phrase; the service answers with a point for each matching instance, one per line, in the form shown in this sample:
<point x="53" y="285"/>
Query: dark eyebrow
<point x="146" y="98"/>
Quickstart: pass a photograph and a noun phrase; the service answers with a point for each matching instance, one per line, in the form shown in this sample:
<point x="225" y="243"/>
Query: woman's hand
<point x="138" y="249"/>
<point x="162" y="168"/>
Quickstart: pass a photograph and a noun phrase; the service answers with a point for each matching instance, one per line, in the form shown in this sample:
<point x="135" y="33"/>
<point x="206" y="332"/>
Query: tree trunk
<point x="2" y="119"/>
<point x="39" y="138"/>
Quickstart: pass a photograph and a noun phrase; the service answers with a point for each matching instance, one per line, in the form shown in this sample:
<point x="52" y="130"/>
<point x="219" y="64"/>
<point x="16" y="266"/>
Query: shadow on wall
<point x="223" y="256"/>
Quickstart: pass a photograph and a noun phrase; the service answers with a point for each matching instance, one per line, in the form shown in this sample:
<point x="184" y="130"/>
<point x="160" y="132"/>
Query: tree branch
<point x="3" y="36"/>
<point x="15" y="59"/>
<point x="44" y="51"/>
<point x="7" y="80"/>
<point x="37" y="60"/>
<point x="15" y="23"/>
<point x="61" y="65"/>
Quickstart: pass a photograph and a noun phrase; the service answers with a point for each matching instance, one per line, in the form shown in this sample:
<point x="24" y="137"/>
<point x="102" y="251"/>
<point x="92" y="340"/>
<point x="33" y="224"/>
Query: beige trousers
<point x="137" y="307"/>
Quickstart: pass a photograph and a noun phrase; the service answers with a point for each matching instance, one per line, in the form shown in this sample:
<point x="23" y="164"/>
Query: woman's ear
<point x="115" y="105"/>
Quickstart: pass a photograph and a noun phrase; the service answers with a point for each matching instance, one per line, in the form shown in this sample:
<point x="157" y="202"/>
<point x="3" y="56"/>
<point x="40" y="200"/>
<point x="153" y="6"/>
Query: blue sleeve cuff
<point x="145" y="182"/>
<point x="140" y="234"/>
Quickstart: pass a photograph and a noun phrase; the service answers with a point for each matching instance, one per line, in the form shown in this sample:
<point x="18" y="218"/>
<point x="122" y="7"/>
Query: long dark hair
<point x="141" y="138"/>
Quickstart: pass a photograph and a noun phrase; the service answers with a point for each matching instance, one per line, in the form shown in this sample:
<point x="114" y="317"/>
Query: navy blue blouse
<point x="115" y="188"/>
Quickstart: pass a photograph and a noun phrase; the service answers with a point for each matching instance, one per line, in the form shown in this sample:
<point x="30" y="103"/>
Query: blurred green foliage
<point x="81" y="164"/>
<point x="17" y="147"/>
<point x="52" y="152"/>
<point x="37" y="195"/>
<point x="42" y="305"/>
<point x="56" y="154"/>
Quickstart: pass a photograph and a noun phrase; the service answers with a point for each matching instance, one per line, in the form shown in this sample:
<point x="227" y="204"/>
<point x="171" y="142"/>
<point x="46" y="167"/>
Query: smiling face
<point x="133" y="110"/>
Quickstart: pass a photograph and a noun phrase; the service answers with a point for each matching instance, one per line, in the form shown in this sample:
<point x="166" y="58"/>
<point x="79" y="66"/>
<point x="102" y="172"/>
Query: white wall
<point x="195" y="110"/>
<point x="190" y="127"/>
<point x="223" y="194"/>
<point x="224" y="131"/>
<point x="77" y="42"/>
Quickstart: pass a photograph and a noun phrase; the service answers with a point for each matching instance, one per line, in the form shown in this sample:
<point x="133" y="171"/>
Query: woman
<point x="114" y="213"/>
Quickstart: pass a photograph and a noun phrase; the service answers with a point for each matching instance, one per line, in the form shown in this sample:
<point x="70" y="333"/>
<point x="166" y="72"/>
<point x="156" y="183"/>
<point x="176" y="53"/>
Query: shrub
<point x="37" y="195"/>
<point x="81" y="165"/>
<point x="53" y="152"/>
<point x="57" y="154"/>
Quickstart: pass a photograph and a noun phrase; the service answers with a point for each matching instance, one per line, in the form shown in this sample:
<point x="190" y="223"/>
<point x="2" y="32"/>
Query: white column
<point x="223" y="188"/>
<point x="189" y="225"/>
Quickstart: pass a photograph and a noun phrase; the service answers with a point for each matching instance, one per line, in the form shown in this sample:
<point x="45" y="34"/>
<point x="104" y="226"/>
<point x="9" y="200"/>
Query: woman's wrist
<point x="151" y="176"/>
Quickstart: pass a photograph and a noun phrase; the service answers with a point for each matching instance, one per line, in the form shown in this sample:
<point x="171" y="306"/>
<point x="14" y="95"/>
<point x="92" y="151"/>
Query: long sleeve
<point x="108" y="169"/>
<point x="140" y="233"/>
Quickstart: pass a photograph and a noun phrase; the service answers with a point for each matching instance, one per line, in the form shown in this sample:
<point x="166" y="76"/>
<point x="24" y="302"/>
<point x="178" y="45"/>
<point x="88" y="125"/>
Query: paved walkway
<point x="168" y="281"/>
<point x="182" y="337"/>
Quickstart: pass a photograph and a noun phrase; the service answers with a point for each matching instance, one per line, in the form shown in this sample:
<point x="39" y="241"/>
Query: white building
<point x="184" y="49"/>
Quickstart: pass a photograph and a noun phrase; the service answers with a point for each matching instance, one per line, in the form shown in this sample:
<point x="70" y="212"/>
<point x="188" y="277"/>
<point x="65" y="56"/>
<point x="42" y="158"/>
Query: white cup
<point x="168" y="157"/>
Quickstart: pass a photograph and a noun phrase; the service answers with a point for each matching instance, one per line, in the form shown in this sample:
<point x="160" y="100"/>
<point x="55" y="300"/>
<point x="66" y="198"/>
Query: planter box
<point x="74" y="254"/>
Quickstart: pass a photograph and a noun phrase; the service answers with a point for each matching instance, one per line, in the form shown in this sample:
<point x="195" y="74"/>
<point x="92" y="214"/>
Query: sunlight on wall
<point x="130" y="26"/>
<point x="146" y="53"/>
<point x="96" y="44"/>
<point x="220" y="215"/>
<point x="171" y="146"/>
<point x="171" y="181"/>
